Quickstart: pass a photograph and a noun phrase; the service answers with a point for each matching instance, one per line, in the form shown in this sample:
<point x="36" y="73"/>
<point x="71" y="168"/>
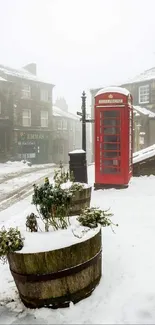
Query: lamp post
<point x="78" y="160"/>
<point x="84" y="120"/>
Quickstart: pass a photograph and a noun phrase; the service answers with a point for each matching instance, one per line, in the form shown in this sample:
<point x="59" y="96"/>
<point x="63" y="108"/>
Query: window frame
<point x="44" y="119"/>
<point x="59" y="124"/>
<point x="44" y="98"/>
<point x="65" y="124"/>
<point x="143" y="94"/>
<point x="26" y="91"/>
<point x="28" y="117"/>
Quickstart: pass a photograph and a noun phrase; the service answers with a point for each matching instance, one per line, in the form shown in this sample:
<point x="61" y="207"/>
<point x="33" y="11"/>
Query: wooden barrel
<point x="55" y="278"/>
<point x="80" y="201"/>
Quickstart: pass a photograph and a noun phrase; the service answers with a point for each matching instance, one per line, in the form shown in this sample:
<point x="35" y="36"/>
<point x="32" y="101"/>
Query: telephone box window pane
<point x="112" y="138"/>
<point x="109" y="122"/>
<point x="112" y="162"/>
<point x="116" y="162"/>
<point x="110" y="114"/>
<point x="111" y="154"/>
<point x="109" y="130"/>
<point x="111" y="146"/>
<point x="108" y="162"/>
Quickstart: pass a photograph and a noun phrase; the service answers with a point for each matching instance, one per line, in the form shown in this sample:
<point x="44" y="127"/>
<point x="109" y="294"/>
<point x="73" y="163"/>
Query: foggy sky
<point x="79" y="44"/>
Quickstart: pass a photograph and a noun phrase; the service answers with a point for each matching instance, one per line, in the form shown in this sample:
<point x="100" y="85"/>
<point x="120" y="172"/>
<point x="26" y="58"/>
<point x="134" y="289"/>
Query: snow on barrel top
<point x="118" y="90"/>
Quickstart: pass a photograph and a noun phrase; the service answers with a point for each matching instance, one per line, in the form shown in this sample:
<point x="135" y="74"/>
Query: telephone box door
<point x="108" y="153"/>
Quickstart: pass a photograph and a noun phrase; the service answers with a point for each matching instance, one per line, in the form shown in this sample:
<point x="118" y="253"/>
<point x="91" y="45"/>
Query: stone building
<point x="25" y="115"/>
<point x="66" y="134"/>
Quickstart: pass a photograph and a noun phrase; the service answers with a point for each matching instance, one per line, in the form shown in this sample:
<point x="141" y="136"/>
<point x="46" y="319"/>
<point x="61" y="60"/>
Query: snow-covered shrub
<point x="10" y="241"/>
<point x="61" y="176"/>
<point x="52" y="204"/>
<point x="91" y="217"/>
<point x="53" y="201"/>
<point x="31" y="222"/>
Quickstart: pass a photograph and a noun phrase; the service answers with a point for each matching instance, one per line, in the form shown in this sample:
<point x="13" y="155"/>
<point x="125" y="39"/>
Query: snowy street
<point x="17" y="178"/>
<point x="19" y="187"/>
<point x="126" y="293"/>
<point x="10" y="170"/>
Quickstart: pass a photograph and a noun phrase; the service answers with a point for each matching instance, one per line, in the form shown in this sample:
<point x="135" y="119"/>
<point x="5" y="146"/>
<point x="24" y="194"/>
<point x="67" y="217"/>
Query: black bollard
<point x="78" y="165"/>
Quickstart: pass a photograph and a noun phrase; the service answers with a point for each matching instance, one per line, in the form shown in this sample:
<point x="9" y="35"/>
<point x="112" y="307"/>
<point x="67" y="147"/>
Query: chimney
<point x="32" y="68"/>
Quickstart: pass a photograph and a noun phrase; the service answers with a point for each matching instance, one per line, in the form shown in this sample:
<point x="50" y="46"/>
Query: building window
<point x="26" y="117"/>
<point x="71" y="125"/>
<point x="15" y="115"/>
<point x="144" y="94"/>
<point x="64" y="124"/>
<point x="59" y="124"/>
<point x="55" y="125"/>
<point x="61" y="149"/>
<point x="26" y="91"/>
<point x="44" y="119"/>
<point x="44" y="95"/>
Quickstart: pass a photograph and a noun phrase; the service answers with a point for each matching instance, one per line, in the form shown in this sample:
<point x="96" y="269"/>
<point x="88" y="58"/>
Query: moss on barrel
<point x="80" y="201"/>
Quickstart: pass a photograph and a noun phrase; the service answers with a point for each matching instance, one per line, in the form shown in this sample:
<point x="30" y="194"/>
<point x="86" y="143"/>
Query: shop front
<point x="32" y="146"/>
<point x="5" y="139"/>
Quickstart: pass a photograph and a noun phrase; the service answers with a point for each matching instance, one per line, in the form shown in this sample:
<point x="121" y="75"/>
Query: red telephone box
<point x="113" y="137"/>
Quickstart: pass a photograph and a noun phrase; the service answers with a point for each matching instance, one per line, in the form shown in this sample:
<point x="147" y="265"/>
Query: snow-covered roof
<point x="21" y="73"/>
<point x="144" y="111"/>
<point x="61" y="113"/>
<point x="118" y="90"/>
<point x="135" y="112"/>
<point x="142" y="77"/>
<point x="144" y="154"/>
<point x="2" y="79"/>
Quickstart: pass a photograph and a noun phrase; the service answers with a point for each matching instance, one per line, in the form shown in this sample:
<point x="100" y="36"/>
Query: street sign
<point x="79" y="113"/>
<point x="89" y="120"/>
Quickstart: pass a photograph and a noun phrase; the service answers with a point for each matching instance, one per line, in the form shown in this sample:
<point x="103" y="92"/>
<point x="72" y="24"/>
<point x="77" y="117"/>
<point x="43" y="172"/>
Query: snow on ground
<point x="126" y="293"/>
<point x="13" y="167"/>
<point x="14" y="184"/>
<point x="18" y="166"/>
